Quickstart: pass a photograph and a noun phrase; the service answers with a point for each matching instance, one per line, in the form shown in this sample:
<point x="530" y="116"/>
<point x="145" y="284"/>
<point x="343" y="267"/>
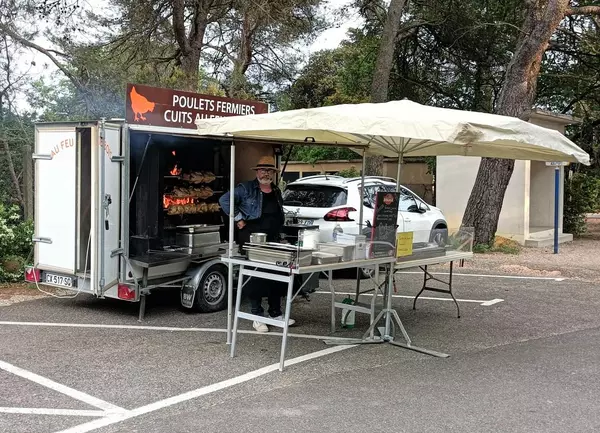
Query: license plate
<point x="305" y="222"/>
<point x="58" y="280"/>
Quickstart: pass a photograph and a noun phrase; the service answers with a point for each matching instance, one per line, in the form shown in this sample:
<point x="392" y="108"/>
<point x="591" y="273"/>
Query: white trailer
<point x="103" y="224"/>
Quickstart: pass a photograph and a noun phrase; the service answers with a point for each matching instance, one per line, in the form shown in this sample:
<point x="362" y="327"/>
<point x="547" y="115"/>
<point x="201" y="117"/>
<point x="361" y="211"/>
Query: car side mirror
<point x="421" y="207"/>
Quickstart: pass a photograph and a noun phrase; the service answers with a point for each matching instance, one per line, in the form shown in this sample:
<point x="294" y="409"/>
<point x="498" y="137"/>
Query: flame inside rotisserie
<point x="175" y="171"/>
<point x="169" y="201"/>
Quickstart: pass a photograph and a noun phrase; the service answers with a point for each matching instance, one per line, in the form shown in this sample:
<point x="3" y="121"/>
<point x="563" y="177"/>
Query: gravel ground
<point x="14" y="293"/>
<point x="579" y="259"/>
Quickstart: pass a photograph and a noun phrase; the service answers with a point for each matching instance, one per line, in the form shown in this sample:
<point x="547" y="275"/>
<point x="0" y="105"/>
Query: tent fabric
<point x="404" y="128"/>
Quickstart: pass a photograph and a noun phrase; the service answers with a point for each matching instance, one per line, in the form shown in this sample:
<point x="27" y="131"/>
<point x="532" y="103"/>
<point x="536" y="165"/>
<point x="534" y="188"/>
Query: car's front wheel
<point x="439" y="236"/>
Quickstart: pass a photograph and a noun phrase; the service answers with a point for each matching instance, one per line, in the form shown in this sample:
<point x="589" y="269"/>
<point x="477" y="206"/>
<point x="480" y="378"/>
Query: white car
<point x="327" y="201"/>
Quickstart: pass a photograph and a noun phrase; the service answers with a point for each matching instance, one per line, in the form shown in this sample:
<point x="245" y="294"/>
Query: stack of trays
<point x="321" y="258"/>
<point x="279" y="254"/>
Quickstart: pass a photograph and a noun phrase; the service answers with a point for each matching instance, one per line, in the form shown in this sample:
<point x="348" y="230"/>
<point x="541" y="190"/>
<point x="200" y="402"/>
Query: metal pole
<point x="360" y="218"/>
<point x="400" y="158"/>
<point x="231" y="233"/>
<point x="556" y="199"/>
<point x="399" y="171"/>
<point x="362" y="190"/>
<point x="140" y="168"/>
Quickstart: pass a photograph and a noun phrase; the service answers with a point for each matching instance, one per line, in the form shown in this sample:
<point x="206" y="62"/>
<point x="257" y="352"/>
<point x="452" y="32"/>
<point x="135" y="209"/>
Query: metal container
<point x="279" y="257"/>
<point x="198" y="228"/>
<point x="193" y="240"/>
<point x="346" y="252"/>
<point x="258" y="238"/>
<point x="321" y="258"/>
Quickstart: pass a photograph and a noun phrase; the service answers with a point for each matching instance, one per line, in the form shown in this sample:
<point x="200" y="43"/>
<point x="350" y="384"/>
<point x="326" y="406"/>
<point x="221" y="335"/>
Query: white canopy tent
<point x="395" y="129"/>
<point x="403" y="128"/>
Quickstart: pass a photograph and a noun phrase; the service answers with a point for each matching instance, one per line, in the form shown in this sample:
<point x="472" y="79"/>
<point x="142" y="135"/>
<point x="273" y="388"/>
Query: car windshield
<point x="314" y="196"/>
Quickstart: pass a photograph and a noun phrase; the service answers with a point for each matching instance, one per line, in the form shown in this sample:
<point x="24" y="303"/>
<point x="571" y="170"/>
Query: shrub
<point x="349" y="172"/>
<point x="582" y="195"/>
<point x="15" y="243"/>
<point x="500" y="245"/>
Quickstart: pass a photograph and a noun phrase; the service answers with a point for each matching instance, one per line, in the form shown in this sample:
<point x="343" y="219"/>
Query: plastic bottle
<point x="347" y="315"/>
<point x="338" y="229"/>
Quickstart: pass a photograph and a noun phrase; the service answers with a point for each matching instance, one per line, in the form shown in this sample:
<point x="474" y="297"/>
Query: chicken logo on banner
<point x="140" y="105"/>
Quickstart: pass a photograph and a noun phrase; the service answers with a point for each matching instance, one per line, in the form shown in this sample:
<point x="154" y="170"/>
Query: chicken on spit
<point x="199" y="177"/>
<point x="203" y="192"/>
<point x="193" y="208"/>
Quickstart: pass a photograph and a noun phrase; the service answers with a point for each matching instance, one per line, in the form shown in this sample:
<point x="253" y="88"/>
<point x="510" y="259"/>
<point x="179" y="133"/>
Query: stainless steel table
<point x="287" y="275"/>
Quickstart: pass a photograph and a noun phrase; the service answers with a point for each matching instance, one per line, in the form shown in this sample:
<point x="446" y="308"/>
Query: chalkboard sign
<point x="385" y="223"/>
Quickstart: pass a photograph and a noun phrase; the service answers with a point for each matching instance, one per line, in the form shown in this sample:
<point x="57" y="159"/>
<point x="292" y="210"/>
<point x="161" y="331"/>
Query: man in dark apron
<point x="258" y="208"/>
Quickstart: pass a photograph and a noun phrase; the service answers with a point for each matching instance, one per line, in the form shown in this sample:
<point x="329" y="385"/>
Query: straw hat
<point x="266" y="162"/>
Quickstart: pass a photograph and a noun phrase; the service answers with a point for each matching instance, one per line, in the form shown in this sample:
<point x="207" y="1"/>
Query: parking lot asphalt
<point x="523" y="357"/>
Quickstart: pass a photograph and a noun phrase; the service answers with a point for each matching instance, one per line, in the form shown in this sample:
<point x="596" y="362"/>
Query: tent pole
<point x="400" y="158"/>
<point x="362" y="191"/>
<point x="231" y="234"/>
<point x="360" y="218"/>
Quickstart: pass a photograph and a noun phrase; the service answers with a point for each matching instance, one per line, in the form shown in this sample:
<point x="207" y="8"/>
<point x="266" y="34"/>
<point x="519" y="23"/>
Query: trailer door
<point x="55" y="198"/>
<point x="108" y="205"/>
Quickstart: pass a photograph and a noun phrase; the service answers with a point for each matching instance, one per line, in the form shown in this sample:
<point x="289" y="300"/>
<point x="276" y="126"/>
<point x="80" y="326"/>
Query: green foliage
<point x="349" y="172"/>
<point x="312" y="154"/>
<point x="15" y="132"/>
<point x="431" y="162"/>
<point x="15" y="243"/>
<point x="582" y="195"/>
<point x="503" y="249"/>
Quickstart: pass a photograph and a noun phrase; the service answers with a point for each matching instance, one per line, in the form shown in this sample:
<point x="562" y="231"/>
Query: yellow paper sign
<point x="404" y="243"/>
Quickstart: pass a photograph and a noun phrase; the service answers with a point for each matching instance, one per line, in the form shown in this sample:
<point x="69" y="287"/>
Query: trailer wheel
<point x="211" y="295"/>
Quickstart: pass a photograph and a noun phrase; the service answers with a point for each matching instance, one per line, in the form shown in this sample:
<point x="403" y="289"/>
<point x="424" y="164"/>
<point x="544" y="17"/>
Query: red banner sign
<point x="177" y="109"/>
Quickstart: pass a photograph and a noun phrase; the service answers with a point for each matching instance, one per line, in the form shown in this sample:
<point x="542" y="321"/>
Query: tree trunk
<point x="374" y="166"/>
<point x="383" y="68"/>
<point x="13" y="174"/>
<point x="385" y="54"/>
<point x="515" y="99"/>
<point x="190" y="43"/>
<point x="238" y="82"/>
<point x="190" y="63"/>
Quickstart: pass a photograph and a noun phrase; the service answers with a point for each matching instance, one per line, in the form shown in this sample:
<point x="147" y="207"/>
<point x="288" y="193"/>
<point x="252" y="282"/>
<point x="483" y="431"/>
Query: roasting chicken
<point x="199" y="177"/>
<point x="193" y="208"/>
<point x="203" y="192"/>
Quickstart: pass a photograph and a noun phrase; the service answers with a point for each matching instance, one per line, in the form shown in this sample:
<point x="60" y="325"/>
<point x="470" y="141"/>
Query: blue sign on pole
<point x="556" y="198"/>
<point x="557" y="165"/>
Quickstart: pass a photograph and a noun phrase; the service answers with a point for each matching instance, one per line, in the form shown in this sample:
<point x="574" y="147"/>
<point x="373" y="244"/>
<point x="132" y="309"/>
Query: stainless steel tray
<point x="321" y="258"/>
<point x="279" y="258"/>
<point x="194" y="240"/>
<point x="345" y="251"/>
<point x="198" y="228"/>
<point x="278" y="247"/>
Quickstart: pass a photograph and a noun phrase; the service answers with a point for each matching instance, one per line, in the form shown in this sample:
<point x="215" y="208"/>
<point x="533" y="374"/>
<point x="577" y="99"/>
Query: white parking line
<point x="475" y="301"/>
<point x="114" y="419"/>
<point x="44" y="411"/>
<point x="513" y="277"/>
<point x="73" y="393"/>
<point x="164" y="328"/>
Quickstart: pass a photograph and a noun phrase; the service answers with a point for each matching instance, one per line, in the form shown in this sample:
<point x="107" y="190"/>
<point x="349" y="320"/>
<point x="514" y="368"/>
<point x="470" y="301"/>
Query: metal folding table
<point x="449" y="257"/>
<point x="287" y="275"/>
